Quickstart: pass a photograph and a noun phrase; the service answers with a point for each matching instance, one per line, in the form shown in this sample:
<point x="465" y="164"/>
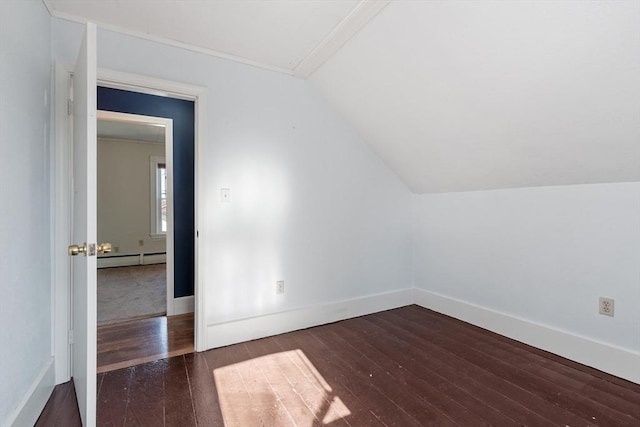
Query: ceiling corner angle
<point x="169" y="42"/>
<point x="359" y="16"/>
<point x="49" y="7"/>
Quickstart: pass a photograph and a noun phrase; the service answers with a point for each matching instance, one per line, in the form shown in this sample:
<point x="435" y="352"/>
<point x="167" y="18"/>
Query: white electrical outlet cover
<point x="606" y="306"/>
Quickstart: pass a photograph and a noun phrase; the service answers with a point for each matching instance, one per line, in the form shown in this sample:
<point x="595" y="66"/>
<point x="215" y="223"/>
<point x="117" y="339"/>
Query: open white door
<point x="83" y="278"/>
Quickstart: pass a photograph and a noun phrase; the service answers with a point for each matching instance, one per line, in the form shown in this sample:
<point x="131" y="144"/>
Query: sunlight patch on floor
<point x="277" y="389"/>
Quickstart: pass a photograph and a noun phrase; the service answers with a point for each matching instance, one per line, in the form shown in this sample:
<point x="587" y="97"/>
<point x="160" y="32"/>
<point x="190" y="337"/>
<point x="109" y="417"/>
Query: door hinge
<point x="70" y="336"/>
<point x="69" y="107"/>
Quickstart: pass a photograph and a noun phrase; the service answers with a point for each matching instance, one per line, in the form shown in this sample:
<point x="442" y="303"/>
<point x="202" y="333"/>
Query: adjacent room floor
<point x="133" y="292"/>
<point x="121" y="345"/>
<point x="404" y="367"/>
<point x="132" y="326"/>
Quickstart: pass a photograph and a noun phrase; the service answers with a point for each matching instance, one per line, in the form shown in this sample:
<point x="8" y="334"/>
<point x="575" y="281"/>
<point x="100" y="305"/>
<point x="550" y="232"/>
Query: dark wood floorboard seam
<point x="564" y="397"/>
<point x="403" y="367"/>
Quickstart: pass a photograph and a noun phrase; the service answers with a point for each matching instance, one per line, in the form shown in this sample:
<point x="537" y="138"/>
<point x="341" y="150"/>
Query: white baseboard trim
<point x="183" y="305"/>
<point x="235" y="331"/>
<point x="129" y="260"/>
<point x="33" y="402"/>
<point x="614" y="360"/>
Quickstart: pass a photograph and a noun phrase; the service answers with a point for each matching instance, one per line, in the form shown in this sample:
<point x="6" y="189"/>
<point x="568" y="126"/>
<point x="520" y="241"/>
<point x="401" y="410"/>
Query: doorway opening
<point x="135" y="214"/>
<point x="187" y="297"/>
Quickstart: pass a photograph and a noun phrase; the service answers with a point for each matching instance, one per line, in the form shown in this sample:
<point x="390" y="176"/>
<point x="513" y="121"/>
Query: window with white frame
<point x="158" y="196"/>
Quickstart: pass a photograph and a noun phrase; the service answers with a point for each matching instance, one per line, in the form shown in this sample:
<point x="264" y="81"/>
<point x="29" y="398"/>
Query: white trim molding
<point x="359" y="16"/>
<point x="61" y="233"/>
<point x="240" y="330"/>
<point x="158" y="39"/>
<point x="136" y="259"/>
<point x="34" y="401"/>
<point x="183" y="305"/>
<point x="617" y="361"/>
<point x="60" y="175"/>
<point x="154" y="86"/>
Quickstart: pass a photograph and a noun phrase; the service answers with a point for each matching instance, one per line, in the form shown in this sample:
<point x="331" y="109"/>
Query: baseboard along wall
<point x="183" y="305"/>
<point x="235" y="331"/>
<point x="616" y="361"/>
<point x="613" y="360"/>
<point x="31" y="406"/>
<point x="130" y="260"/>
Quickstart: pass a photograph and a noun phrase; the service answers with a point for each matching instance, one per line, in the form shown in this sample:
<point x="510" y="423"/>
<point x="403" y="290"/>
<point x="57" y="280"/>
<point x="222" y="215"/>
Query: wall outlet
<point x="140" y="242"/>
<point x="606" y="306"/>
<point x="280" y="287"/>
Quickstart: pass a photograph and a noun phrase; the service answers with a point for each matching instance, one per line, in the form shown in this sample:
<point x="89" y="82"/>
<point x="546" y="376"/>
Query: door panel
<point x="83" y="276"/>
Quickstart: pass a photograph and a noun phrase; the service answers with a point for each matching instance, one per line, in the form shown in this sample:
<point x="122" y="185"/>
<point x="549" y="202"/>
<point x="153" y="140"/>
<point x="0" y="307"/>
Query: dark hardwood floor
<point x="403" y="367"/>
<point x="121" y="345"/>
<point x="61" y="409"/>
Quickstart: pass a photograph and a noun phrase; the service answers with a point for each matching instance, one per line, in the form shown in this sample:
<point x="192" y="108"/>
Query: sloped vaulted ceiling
<point x="474" y="95"/>
<point x="453" y="95"/>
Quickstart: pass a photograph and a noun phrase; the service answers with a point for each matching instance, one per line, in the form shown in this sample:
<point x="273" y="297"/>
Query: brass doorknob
<point x="74" y="250"/>
<point x="104" y="248"/>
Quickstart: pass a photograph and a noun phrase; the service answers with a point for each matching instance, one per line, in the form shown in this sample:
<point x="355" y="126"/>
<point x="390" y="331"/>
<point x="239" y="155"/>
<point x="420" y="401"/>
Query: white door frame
<point x="113" y="116"/>
<point x="60" y="204"/>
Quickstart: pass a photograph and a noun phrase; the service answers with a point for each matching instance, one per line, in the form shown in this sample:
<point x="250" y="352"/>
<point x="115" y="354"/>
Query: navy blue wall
<point x="182" y="113"/>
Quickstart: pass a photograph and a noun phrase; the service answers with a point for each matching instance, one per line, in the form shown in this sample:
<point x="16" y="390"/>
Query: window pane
<point x="162" y="181"/>
<point x="163" y="214"/>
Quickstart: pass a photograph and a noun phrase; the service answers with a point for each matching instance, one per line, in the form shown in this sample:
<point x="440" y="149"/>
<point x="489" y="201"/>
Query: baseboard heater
<point x="129" y="260"/>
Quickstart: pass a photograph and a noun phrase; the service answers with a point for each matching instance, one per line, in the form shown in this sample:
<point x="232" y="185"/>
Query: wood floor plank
<point x="139" y="341"/>
<point x="329" y="378"/>
<point x="390" y="378"/>
<point x="600" y="392"/>
<point x="255" y="374"/>
<point x="428" y="351"/>
<point x="178" y="403"/>
<point x="237" y="404"/>
<point x="61" y="409"/>
<point x="273" y="383"/>
<point x="403" y="367"/>
<point x="146" y="395"/>
<point x="575" y="403"/>
<point x="298" y="385"/>
<point x="597" y="400"/>
<point x="428" y="366"/>
<point x="204" y="393"/>
<point x="369" y="381"/>
<point x="555" y="387"/>
<point x="444" y="395"/>
<point x="114" y="398"/>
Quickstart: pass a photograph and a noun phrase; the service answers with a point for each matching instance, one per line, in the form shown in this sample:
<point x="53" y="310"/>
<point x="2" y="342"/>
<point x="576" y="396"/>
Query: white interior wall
<point x="25" y="267"/>
<point x="543" y="255"/>
<point x="310" y="203"/>
<point x="124" y="191"/>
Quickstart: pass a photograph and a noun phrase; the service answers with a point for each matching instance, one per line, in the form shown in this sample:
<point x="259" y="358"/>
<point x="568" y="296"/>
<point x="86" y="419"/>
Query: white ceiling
<point x="475" y="95"/>
<point x="130" y="131"/>
<point x="291" y="36"/>
<point x="452" y="95"/>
